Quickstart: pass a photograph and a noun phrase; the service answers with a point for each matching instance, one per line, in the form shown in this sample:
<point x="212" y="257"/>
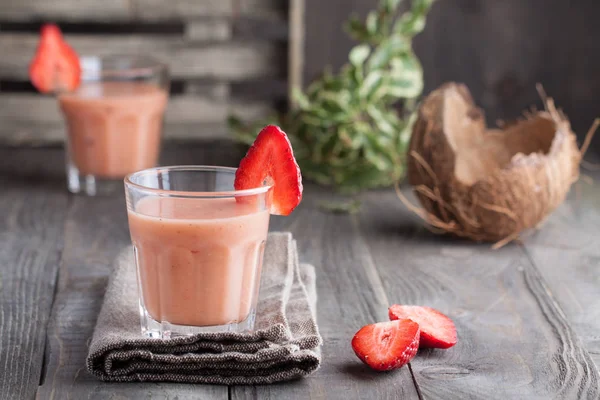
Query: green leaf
<point x="390" y="6"/>
<point x="406" y="132"/>
<point x="404" y="88"/>
<point x="300" y="98"/>
<point x="338" y="101"/>
<point x="387" y="50"/>
<point x="356" y="78"/>
<point x="372" y="23"/>
<point x="357" y="29"/>
<point x="358" y="141"/>
<point x="381" y="121"/>
<point x="312" y="120"/>
<point x="413" y="22"/>
<point x="313" y="88"/>
<point x="376" y="159"/>
<point x="333" y="103"/>
<point x="372" y="82"/>
<point x="359" y="54"/>
<point x="405" y="65"/>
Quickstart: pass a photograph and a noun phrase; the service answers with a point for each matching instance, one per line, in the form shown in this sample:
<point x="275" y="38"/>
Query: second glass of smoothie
<point x="198" y="247"/>
<point x="114" y="121"/>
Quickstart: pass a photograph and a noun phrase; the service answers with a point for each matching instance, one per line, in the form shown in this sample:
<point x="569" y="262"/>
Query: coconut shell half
<point x="488" y="184"/>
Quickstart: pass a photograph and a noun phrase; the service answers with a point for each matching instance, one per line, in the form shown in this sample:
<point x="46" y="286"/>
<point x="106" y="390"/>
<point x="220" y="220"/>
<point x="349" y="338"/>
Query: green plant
<point x="345" y="128"/>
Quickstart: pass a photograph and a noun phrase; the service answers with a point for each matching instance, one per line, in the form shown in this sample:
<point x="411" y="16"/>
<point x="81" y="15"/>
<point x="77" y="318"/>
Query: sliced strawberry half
<point x="437" y="330"/>
<point x="55" y="66"/>
<point x="271" y="161"/>
<point x="387" y="345"/>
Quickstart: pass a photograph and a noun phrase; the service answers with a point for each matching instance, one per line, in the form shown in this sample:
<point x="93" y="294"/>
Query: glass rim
<point x="191" y="194"/>
<point x="98" y="67"/>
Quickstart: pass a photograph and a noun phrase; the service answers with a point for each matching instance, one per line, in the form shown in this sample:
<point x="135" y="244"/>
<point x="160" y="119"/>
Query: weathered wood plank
<point x="34" y="108"/>
<point x="48" y="162"/>
<point x="225" y="61"/>
<point x="220" y="91"/>
<point x="184" y="9"/>
<point x="326" y="42"/>
<point x="36" y="135"/>
<point x="208" y="30"/>
<point x="31" y="232"/>
<point x="296" y="46"/>
<point x="96" y="229"/>
<point x="193" y="109"/>
<point x="42" y="163"/>
<point x="350" y="296"/>
<point x="31" y="118"/>
<point x="566" y="253"/>
<point x="127" y="10"/>
<point x="33" y="10"/>
<point x="514" y="341"/>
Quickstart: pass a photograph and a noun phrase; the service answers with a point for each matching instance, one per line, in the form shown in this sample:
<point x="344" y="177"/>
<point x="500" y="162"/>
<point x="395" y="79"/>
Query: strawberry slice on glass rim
<point x="270" y="161"/>
<point x="55" y="66"/>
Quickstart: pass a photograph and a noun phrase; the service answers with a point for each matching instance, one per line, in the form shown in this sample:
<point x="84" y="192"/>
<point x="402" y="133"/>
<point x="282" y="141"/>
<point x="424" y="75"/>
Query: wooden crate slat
<point x="205" y="30"/>
<point x="66" y="10"/>
<point x="184" y="9"/>
<point x="226" y="61"/>
<point x="296" y="48"/>
<point x="218" y="43"/>
<point x="38" y="109"/>
<point x="192" y="109"/>
<point x="213" y="90"/>
<point x="131" y="10"/>
<point x="18" y="133"/>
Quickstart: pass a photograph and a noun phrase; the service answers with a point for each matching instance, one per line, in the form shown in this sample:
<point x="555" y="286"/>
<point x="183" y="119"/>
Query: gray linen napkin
<point x="285" y="345"/>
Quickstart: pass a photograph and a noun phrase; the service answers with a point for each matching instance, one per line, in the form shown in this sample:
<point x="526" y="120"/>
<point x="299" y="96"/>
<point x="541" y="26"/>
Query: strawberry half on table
<point x="270" y="160"/>
<point x="55" y="66"/>
<point x="387" y="345"/>
<point x="437" y="330"/>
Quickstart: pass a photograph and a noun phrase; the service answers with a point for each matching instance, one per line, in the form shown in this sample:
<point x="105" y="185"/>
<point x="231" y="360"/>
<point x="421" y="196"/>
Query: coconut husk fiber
<point x="488" y="184"/>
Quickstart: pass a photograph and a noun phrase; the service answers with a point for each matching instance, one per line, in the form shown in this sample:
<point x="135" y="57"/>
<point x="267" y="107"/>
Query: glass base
<point x="165" y="330"/>
<point x="90" y="185"/>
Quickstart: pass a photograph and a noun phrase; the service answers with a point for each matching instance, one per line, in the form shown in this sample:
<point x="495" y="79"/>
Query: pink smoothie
<point x="114" y="128"/>
<point x="199" y="259"/>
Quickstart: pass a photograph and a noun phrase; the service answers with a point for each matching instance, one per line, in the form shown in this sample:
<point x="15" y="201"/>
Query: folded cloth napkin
<point x="284" y="346"/>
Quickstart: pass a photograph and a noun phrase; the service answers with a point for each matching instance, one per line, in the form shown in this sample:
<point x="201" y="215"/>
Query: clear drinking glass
<point x="198" y="247"/>
<point x="114" y="121"/>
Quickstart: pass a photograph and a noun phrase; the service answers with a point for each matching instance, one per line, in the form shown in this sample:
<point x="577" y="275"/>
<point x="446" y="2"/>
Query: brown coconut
<point x="488" y="184"/>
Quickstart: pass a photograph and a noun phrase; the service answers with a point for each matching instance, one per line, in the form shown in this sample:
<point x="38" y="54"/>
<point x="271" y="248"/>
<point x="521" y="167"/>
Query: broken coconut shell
<point x="488" y="184"/>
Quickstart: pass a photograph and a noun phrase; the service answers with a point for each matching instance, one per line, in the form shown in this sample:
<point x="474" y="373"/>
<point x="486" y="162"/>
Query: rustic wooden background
<point x="232" y="55"/>
<point x="226" y="56"/>
<point x="499" y="48"/>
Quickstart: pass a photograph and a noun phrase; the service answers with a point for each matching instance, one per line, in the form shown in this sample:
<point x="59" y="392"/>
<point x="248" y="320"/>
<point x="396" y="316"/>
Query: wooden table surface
<point x="528" y="315"/>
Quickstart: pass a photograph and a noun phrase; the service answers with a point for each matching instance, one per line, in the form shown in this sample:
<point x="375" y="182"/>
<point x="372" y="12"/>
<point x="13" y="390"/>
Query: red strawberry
<point x="387" y="345"/>
<point x="55" y="65"/>
<point x="437" y="330"/>
<point x="271" y="160"/>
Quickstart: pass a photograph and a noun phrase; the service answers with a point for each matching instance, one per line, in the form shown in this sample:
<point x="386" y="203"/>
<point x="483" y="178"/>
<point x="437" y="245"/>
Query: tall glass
<point x="114" y="121"/>
<point x="198" y="247"/>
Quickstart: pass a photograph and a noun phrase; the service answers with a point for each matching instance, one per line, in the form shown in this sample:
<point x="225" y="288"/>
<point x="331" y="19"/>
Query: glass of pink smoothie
<point x="198" y="247"/>
<point x="114" y="121"/>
